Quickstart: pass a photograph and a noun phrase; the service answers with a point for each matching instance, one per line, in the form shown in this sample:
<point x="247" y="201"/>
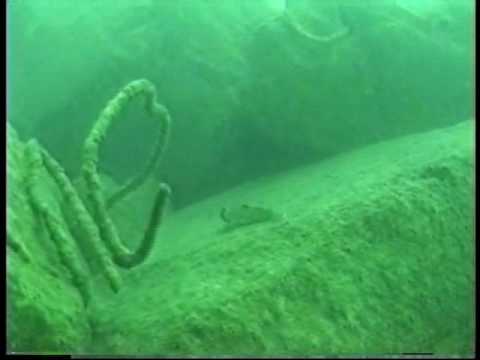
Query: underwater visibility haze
<point x="207" y="178"/>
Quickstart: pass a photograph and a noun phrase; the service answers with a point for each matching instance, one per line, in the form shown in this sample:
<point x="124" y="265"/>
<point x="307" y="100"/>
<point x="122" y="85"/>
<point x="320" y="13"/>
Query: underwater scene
<point x="240" y="178"/>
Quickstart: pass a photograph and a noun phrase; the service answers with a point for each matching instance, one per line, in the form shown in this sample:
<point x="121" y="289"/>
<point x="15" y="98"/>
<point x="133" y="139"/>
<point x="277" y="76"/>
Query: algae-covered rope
<point x="63" y="242"/>
<point x="82" y="221"/>
<point x="122" y="256"/>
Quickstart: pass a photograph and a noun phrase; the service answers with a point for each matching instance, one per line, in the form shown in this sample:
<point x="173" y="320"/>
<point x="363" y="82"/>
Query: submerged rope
<point x="122" y="256"/>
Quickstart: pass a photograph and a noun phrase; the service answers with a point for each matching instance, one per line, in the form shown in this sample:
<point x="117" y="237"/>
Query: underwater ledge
<point x="372" y="253"/>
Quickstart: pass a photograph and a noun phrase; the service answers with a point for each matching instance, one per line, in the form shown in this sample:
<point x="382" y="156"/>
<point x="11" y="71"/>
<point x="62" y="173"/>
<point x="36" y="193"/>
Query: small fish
<point x="246" y="215"/>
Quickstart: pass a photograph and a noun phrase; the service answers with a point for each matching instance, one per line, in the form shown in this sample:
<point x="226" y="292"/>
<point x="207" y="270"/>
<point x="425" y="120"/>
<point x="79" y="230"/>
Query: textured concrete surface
<point x="374" y="255"/>
<point x="45" y="313"/>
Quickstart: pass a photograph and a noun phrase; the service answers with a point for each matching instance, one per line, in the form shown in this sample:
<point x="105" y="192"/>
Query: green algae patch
<point x="375" y="255"/>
